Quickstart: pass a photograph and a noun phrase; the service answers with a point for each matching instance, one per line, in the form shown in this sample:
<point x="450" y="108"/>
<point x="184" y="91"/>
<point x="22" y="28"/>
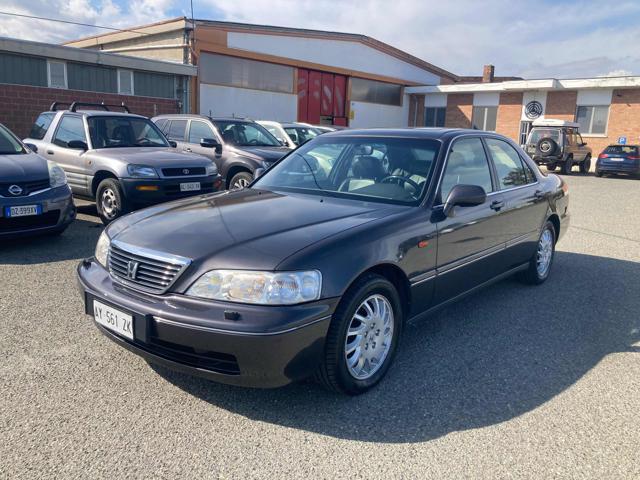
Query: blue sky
<point x="533" y="39"/>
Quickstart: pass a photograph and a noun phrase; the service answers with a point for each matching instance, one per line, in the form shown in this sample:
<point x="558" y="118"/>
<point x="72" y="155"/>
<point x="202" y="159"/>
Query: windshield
<point x="246" y="134"/>
<point x="9" y="145"/>
<point x="538" y="134"/>
<point x="621" y="150"/>
<point x="392" y="170"/>
<point x="119" y="132"/>
<point x="299" y="135"/>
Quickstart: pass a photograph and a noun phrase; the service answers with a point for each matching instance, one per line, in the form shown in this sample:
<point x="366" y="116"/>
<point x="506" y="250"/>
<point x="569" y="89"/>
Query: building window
<point x="593" y="119"/>
<point x="241" y="72"/>
<point x="434" y="116"/>
<point x="484" y="118"/>
<point x="57" y="74"/>
<point x="372" y="91"/>
<point x="125" y="82"/>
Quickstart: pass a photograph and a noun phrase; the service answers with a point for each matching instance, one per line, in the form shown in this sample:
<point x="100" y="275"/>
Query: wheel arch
<point x="397" y="277"/>
<point x="99" y="177"/>
<point x="555" y="221"/>
<point x="234" y="170"/>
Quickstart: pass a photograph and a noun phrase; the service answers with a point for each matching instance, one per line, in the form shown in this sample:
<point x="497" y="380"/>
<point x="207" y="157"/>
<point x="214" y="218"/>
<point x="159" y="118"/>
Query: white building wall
<point x="486" y="99"/>
<point x="595" y="97"/>
<point x="217" y="100"/>
<point x="435" y="100"/>
<point x="335" y="53"/>
<point x="373" y="115"/>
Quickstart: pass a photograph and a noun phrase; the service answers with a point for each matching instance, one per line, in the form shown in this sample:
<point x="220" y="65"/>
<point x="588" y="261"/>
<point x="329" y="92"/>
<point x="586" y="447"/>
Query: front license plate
<point x="115" y="320"/>
<point x="190" y="187"/>
<point x="22" y="211"/>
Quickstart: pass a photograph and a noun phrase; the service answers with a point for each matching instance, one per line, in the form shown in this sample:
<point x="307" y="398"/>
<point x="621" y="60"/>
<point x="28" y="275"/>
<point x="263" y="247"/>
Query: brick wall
<point x="509" y="114"/>
<point x="624" y="120"/>
<point x="459" y="110"/>
<point x="20" y="105"/>
<point x="561" y="105"/>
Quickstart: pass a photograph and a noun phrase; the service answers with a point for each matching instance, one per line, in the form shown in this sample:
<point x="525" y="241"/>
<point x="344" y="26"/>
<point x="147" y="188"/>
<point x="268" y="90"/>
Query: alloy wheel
<point x="545" y="253"/>
<point x="109" y="203"/>
<point x="240" y="183"/>
<point x="369" y="337"/>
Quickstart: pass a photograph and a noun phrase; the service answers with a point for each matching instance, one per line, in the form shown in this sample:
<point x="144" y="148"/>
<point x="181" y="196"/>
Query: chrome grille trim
<point x="155" y="272"/>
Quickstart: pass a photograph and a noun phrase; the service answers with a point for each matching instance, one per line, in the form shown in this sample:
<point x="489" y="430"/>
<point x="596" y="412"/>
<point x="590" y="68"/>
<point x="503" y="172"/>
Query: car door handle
<point x="497" y="205"/>
<point x="187" y="150"/>
<point x="49" y="152"/>
<point x="538" y="194"/>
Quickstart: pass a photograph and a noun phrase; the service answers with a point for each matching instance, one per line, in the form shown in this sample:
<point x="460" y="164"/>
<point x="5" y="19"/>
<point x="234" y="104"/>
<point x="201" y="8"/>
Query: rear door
<point x="525" y="205"/>
<point x="471" y="242"/>
<point x="198" y="130"/>
<point x="74" y="162"/>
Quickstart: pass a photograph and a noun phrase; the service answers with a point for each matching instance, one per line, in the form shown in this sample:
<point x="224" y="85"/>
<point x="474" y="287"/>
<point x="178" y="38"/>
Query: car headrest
<point x="367" y="166"/>
<point x="456" y="160"/>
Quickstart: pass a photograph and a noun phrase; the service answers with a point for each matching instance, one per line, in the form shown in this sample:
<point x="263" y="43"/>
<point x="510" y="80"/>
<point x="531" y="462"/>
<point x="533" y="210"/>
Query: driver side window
<point x="467" y="164"/>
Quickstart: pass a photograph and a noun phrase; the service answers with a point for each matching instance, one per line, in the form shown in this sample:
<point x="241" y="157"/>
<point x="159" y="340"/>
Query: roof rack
<point x="75" y="105"/>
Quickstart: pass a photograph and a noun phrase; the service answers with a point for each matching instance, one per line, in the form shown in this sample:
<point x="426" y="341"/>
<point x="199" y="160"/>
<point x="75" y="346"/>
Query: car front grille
<point x="183" y="171"/>
<point x="26" y="187"/>
<point x="145" y="270"/>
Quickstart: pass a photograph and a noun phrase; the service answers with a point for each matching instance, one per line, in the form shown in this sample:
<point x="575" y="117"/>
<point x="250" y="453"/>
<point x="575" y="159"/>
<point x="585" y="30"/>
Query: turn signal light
<point x="148" y="188"/>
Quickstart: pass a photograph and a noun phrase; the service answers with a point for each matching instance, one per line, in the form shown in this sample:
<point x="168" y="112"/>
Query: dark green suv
<point x="558" y="143"/>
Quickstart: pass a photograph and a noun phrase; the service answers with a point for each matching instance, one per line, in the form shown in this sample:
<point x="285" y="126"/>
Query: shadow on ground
<point x="492" y="357"/>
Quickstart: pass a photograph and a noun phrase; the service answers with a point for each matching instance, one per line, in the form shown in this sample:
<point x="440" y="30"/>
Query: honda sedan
<point x="340" y="244"/>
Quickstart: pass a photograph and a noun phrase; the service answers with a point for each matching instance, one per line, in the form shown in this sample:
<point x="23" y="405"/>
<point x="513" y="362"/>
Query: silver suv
<point x="120" y="160"/>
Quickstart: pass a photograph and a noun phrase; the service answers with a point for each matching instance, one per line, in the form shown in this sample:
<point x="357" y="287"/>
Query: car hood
<point x="268" y="154"/>
<point x="152" y="156"/>
<point x="22" y="168"/>
<point x="246" y="229"/>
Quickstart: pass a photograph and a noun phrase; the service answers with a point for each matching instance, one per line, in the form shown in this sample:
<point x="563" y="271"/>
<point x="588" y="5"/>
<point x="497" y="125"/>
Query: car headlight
<point x="57" y="177"/>
<point x="211" y="169"/>
<point x="102" y="249"/>
<point x="143" y="171"/>
<point x="261" y="288"/>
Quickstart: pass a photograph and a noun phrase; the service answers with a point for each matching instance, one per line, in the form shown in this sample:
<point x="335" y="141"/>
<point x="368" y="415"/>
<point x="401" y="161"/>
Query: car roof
<point x="187" y="116"/>
<point x="97" y="113"/>
<point x="424" y="132"/>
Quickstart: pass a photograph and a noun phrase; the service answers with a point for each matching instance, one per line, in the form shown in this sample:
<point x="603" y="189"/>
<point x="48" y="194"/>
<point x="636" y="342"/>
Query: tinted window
<point x="467" y="165"/>
<point x="9" y="145"/>
<point x="303" y="134"/>
<point x="118" y="132"/>
<point x="161" y="124"/>
<point x="511" y="172"/>
<point x="70" y="128"/>
<point x="621" y="150"/>
<point x="355" y="167"/>
<point x="41" y="125"/>
<point x="538" y="134"/>
<point x="198" y="131"/>
<point x="177" y="129"/>
<point x="246" y="134"/>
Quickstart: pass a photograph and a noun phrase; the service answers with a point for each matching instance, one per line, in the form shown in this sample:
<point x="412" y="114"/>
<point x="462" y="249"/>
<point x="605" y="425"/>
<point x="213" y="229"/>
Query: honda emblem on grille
<point x="132" y="269"/>
<point x="15" y="190"/>
<point x="185" y="171"/>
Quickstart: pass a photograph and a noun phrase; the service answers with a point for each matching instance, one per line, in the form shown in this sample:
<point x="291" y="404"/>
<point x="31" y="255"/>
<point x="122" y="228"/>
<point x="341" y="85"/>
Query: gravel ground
<point x="512" y="382"/>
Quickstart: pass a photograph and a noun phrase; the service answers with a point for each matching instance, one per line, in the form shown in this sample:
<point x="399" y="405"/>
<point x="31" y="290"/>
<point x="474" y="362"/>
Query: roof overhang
<point x="96" y="57"/>
<point x="546" y="84"/>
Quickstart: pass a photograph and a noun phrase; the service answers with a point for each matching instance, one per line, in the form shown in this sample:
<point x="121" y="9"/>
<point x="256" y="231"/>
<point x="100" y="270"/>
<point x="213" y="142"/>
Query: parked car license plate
<point x="616" y="159"/>
<point x="115" y="320"/>
<point x="22" y="211"/>
<point x="190" y="187"/>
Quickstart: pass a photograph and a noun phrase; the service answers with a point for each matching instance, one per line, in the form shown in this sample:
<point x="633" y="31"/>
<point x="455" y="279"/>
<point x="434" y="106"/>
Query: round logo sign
<point x="15" y="190"/>
<point x="533" y="109"/>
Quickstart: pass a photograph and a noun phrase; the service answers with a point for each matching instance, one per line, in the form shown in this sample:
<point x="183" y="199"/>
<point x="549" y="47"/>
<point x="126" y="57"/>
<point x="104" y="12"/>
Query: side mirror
<point x="32" y="147"/>
<point x="77" y="145"/>
<point x="258" y="172"/>
<point x="209" y="143"/>
<point x="294" y="138"/>
<point x="173" y="144"/>
<point x="583" y="144"/>
<point x="464" y="196"/>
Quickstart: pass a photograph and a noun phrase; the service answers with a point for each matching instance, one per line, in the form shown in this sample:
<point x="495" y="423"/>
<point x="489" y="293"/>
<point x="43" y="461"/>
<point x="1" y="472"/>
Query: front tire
<point x="585" y="165"/>
<point x="540" y="264"/>
<point x="110" y="201"/>
<point x="240" y="180"/>
<point x="566" y="166"/>
<point x="551" y="167"/>
<point x="363" y="336"/>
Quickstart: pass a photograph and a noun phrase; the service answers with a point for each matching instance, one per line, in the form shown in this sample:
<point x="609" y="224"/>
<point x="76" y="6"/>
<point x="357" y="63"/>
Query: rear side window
<point x="511" y="171"/>
<point x="161" y="124"/>
<point x="467" y="165"/>
<point x="70" y="128"/>
<point x="198" y="131"/>
<point x="177" y="130"/>
<point x="41" y="125"/>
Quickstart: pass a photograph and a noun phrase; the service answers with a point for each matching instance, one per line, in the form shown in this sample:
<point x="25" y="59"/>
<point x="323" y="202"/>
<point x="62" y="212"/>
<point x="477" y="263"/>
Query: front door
<point x="471" y="241"/>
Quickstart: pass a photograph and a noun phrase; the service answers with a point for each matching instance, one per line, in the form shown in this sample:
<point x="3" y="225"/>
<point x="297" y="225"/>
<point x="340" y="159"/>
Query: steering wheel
<point x="253" y="141"/>
<point x="391" y="178"/>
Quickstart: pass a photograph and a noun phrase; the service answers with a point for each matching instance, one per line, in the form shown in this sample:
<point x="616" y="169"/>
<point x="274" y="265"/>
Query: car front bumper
<point x="265" y="347"/>
<point x="58" y="211"/>
<point x="142" y="192"/>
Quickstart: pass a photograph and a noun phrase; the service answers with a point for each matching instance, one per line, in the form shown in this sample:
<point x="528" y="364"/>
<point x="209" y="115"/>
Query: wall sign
<point x="622" y="140"/>
<point x="533" y="109"/>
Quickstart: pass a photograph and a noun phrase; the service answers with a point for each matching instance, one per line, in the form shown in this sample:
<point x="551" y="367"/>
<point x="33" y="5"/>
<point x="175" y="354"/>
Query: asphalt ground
<point x="515" y="381"/>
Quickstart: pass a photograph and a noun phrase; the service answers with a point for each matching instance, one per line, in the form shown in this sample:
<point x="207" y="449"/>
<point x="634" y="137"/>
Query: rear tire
<point x="350" y="342"/>
<point x="585" y="165"/>
<point x="540" y="264"/>
<point x="566" y="166"/>
<point x="110" y="201"/>
<point x="599" y="173"/>
<point x="551" y="167"/>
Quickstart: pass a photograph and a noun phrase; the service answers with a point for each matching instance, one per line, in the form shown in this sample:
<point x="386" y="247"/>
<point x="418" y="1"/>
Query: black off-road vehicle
<point x="558" y="143"/>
